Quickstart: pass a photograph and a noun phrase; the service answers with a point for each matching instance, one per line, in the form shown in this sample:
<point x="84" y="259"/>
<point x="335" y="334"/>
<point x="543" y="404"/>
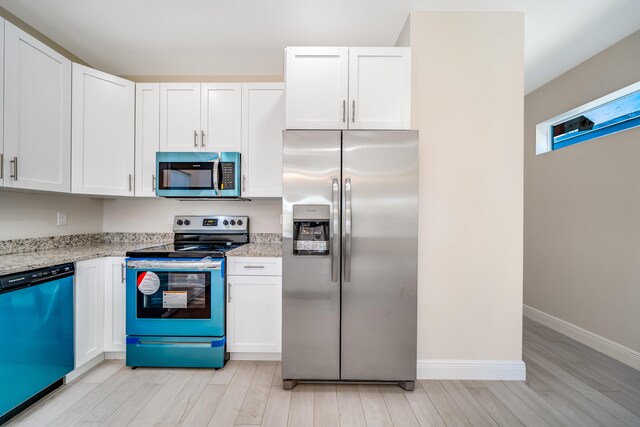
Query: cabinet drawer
<point x="254" y="266"/>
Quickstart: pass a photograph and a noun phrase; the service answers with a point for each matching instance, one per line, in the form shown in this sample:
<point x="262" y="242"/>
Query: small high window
<point x="613" y="113"/>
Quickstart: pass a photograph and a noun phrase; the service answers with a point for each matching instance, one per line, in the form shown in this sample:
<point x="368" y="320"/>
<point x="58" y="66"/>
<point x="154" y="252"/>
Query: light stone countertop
<point x="257" y="250"/>
<point x="24" y="261"/>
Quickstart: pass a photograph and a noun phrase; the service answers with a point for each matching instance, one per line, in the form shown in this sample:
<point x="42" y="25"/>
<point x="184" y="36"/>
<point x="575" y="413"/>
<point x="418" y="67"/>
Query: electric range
<point x="175" y="295"/>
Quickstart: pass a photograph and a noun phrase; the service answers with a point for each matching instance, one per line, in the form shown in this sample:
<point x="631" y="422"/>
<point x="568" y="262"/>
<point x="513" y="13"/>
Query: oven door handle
<point x="174" y="265"/>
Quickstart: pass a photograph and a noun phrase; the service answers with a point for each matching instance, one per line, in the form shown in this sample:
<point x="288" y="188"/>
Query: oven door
<point x="175" y="297"/>
<point x="198" y="174"/>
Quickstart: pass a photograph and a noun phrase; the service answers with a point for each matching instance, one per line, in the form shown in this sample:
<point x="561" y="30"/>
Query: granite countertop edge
<point x="25" y="261"/>
<point x="257" y="250"/>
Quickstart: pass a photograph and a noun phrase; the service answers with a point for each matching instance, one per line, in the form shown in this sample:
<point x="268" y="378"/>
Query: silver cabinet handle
<point x="130" y="183"/>
<point x="229" y="292"/>
<point x="202" y="139"/>
<point x="347" y="230"/>
<point x="344" y="111"/>
<point x="335" y="234"/>
<point x="195" y="139"/>
<point x="1" y="166"/>
<point x="153" y="182"/>
<point x="353" y="111"/>
<point x="253" y="266"/>
<point x="244" y="183"/>
<point x="122" y="273"/>
<point x="15" y="168"/>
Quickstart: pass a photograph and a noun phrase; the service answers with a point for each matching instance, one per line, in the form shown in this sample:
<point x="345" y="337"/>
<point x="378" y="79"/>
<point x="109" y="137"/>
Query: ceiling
<point x="246" y="37"/>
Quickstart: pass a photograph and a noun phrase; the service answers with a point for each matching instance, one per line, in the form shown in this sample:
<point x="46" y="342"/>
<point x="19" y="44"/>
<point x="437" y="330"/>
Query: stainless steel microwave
<point x="184" y="174"/>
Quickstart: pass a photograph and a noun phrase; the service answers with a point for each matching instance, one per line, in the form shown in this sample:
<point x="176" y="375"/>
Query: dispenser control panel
<point x="311" y="230"/>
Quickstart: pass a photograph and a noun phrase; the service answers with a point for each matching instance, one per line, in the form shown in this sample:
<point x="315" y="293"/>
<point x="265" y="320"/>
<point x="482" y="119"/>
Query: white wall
<point x="582" y="216"/>
<point x="467" y="78"/>
<point x="26" y="215"/>
<point x="152" y="215"/>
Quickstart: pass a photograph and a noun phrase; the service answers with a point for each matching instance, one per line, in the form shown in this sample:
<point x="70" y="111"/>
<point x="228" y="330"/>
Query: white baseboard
<point x="84" y="368"/>
<point x="119" y="355"/>
<point x="256" y="356"/>
<point x="612" y="349"/>
<point x="501" y="370"/>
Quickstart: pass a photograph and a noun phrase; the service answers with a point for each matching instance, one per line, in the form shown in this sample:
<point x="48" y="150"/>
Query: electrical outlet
<point x="280" y="219"/>
<point x="62" y="218"/>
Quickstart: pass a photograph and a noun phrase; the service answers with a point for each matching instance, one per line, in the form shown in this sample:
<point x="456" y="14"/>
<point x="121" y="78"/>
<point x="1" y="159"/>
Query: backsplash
<point x="42" y="243"/>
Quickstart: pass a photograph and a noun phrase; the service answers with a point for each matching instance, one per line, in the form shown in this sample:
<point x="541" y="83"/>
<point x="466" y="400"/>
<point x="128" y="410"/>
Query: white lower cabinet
<point x="89" y="310"/>
<point x="114" y="304"/>
<point x="99" y="308"/>
<point x="254" y="308"/>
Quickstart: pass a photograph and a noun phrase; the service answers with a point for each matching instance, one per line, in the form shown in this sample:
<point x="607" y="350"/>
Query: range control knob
<point x="179" y="222"/>
<point x="187" y="222"/>
<point x="225" y="222"/>
<point x="239" y="222"/>
<point x="233" y="222"/>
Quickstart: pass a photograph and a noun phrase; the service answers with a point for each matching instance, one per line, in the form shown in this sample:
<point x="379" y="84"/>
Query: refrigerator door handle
<point x="335" y="237"/>
<point x="347" y="230"/>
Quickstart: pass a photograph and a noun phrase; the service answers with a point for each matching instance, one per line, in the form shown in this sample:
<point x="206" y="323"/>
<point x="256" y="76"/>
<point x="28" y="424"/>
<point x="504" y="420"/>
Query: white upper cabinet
<point x="316" y="80"/>
<point x="2" y="165"/>
<point x="262" y="126"/>
<point x="220" y="117"/>
<point x="37" y="114"/>
<point x="102" y="133"/>
<point x="180" y="117"/>
<point x="200" y="117"/>
<point x="348" y="88"/>
<point x="379" y="88"/>
<point x="147" y="137"/>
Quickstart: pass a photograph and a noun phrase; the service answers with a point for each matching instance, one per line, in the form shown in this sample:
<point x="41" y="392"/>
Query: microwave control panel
<point x="228" y="175"/>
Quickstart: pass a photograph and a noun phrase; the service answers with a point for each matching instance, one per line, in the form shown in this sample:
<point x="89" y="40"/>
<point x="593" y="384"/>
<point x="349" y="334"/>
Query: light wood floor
<point x="568" y="385"/>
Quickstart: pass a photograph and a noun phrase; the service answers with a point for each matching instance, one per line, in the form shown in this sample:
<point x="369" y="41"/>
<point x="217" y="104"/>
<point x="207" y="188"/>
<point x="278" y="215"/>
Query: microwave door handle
<point x="216" y="184"/>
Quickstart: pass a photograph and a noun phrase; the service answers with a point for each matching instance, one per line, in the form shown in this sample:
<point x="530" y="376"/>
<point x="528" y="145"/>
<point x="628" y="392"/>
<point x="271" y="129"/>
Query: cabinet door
<point x="254" y="315"/>
<point x="262" y="126"/>
<point x="221" y="113"/>
<point x="89" y="310"/>
<point x="147" y="137"/>
<point x="2" y="161"/>
<point x="102" y="133"/>
<point x="37" y="124"/>
<point x="379" y="88"/>
<point x="316" y="80"/>
<point x="180" y="117"/>
<point x="114" y="304"/>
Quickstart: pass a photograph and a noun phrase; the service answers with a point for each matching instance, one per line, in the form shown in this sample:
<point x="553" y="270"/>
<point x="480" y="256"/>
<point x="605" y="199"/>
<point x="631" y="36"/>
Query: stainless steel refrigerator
<point x="350" y="240"/>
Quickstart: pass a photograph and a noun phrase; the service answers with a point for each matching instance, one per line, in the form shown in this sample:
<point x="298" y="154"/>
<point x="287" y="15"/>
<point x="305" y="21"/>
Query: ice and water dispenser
<point x="311" y="229"/>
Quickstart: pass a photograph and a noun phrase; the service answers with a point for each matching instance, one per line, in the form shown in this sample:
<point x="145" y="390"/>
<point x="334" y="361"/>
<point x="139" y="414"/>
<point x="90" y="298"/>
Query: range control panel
<point x="210" y="224"/>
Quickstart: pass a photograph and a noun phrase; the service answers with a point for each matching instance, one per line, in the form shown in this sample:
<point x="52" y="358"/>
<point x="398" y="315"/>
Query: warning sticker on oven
<point x="148" y="283"/>
<point x="174" y="299"/>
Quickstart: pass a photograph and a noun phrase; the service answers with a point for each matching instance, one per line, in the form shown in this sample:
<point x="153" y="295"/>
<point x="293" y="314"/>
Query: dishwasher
<point x="36" y="335"/>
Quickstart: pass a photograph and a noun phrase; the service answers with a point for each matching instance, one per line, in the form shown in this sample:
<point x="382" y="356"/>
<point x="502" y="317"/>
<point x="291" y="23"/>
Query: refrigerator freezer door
<point x="380" y="188"/>
<point x="311" y="300"/>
